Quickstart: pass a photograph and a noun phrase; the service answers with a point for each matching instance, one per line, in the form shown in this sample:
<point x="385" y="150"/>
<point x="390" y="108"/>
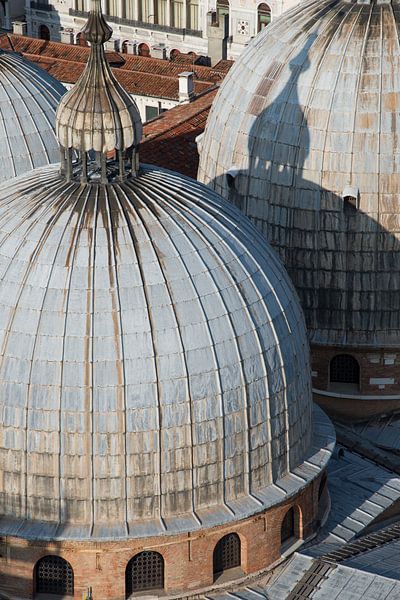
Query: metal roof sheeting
<point x="154" y="371"/>
<point x="28" y="102"/>
<point x="310" y="108"/>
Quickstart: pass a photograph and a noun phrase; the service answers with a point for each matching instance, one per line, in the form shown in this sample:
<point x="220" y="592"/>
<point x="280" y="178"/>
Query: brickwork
<point x="188" y="557"/>
<point x="379" y="377"/>
<point x="377" y="363"/>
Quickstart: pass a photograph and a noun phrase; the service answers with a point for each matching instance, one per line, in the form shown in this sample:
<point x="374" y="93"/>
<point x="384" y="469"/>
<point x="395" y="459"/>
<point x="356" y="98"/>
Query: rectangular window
<point x="162" y="16"/>
<point x="177" y="14"/>
<point x="112" y="8"/>
<point x="130" y="10"/>
<point x="194" y="16"/>
<point x="151" y="112"/>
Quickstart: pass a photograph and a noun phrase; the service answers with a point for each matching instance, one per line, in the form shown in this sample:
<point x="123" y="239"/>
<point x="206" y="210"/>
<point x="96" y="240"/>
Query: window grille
<point x="227" y="553"/>
<point x="145" y="571"/>
<point x="344" y="369"/>
<point x="54" y="575"/>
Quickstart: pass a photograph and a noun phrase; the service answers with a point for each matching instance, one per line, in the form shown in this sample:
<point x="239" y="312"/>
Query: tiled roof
<point x="169" y="140"/>
<point x="66" y="63"/>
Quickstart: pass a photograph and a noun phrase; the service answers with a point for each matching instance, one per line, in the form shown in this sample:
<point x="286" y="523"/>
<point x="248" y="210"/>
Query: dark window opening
<point x="44" y="33"/>
<point x="287" y="527"/>
<point x="344" y="369"/>
<point x="145" y="571"/>
<point x="151" y="112"/>
<point x="54" y="575"/>
<point x="226" y="554"/>
<point x="350" y="205"/>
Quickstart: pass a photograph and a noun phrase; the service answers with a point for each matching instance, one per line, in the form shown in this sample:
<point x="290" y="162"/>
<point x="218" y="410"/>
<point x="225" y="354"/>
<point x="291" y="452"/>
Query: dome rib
<point x="196" y="232"/>
<point x="108" y="283"/>
<point x="297" y="140"/>
<point x="25" y="85"/>
<point x="150" y="209"/>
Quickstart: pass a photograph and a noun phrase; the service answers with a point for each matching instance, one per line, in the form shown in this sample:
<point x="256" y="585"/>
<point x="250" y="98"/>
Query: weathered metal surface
<point x="97" y="113"/>
<point x="311" y="108"/>
<point x="28" y="102"/>
<point x="154" y="371"/>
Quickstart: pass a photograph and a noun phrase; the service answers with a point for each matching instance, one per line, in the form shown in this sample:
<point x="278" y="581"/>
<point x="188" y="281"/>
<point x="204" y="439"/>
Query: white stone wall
<point x="242" y="25"/>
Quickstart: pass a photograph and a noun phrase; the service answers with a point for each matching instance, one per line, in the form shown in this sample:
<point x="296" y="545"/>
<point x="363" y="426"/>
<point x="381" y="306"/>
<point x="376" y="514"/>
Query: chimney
<point x="186" y="89"/>
<point x="19" y="27"/>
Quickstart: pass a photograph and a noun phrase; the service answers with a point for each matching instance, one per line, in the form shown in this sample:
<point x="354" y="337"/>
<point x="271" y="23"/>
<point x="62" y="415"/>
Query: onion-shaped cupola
<point x="97" y="119"/>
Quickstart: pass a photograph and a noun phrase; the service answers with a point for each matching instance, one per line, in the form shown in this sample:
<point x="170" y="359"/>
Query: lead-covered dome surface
<point x="28" y="100"/>
<point x="154" y="366"/>
<point x="308" y="116"/>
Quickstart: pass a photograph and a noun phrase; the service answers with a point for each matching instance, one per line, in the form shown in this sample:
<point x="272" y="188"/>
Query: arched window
<point x="287" y="527"/>
<point x="143" y="50"/>
<point x="174" y="53"/>
<point x="263" y="16"/>
<point x="44" y="33"/>
<point x="54" y="575"/>
<point x="344" y="369"/>
<point x="124" y="47"/>
<point x="227" y="554"/>
<point x="145" y="571"/>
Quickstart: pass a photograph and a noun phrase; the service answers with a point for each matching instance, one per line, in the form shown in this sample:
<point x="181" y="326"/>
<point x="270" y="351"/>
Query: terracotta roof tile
<point x="66" y="62"/>
<point x="170" y="140"/>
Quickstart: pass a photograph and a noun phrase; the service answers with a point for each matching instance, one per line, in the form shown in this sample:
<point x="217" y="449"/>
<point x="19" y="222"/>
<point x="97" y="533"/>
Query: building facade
<point x="160" y="27"/>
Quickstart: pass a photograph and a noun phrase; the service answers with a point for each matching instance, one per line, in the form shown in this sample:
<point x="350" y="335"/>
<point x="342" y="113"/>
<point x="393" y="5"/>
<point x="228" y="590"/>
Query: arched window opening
<point x="54" y="575"/>
<point x="143" y="50"/>
<point x="174" y="53"/>
<point x="263" y="16"/>
<point x="290" y="528"/>
<point x="344" y="373"/>
<point x="287" y="527"/>
<point x="124" y="47"/>
<point x="145" y="571"/>
<point x="227" y="554"/>
<point x="44" y="33"/>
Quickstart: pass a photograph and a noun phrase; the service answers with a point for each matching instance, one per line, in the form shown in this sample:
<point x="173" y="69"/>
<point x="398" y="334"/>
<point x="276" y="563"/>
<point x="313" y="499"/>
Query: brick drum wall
<point x="379" y="377"/>
<point x="188" y="558"/>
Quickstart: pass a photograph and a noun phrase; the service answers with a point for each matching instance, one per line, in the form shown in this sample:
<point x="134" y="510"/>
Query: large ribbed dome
<point x="154" y="364"/>
<point x="305" y="129"/>
<point x="28" y="102"/>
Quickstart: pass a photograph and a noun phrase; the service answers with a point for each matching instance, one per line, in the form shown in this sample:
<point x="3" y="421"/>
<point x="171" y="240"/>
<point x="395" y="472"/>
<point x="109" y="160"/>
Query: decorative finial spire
<point x="97" y="118"/>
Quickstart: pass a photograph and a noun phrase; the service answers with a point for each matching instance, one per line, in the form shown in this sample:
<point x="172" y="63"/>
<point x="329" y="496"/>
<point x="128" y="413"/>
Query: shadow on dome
<point x="342" y="261"/>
